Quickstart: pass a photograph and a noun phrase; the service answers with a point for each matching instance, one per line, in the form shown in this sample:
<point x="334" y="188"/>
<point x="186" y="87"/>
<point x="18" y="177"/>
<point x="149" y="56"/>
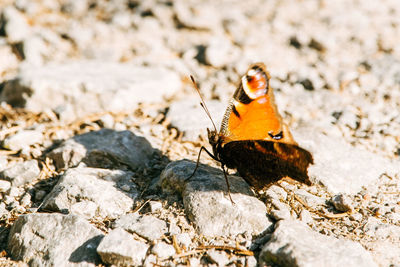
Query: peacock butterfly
<point x="253" y="138"/>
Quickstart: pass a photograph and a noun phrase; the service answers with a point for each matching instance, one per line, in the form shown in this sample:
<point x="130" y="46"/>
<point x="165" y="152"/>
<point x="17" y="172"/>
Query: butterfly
<point x="253" y="139"/>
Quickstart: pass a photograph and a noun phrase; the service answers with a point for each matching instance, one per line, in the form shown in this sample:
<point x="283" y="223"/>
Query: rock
<point x="155" y="205"/>
<point x="23" y="139"/>
<point x="22" y="172"/>
<point x="276" y="192"/>
<point x="385" y="252"/>
<point x="207" y="204"/>
<point x="309" y="199"/>
<point x="181" y="114"/>
<point x="16" y="26"/>
<point x="120" y="248"/>
<point x="89" y="86"/>
<point x="3" y="210"/>
<point x="220" y="52"/>
<point x="197" y="15"/>
<point x="379" y="230"/>
<point x="53" y="240"/>
<point x="305" y="216"/>
<point x="218" y="257"/>
<point x="89" y="192"/>
<point x="184" y="239"/>
<point x="163" y="250"/>
<point x="281" y="211"/>
<point x="103" y="149"/>
<point x="295" y="244"/>
<point x="8" y="60"/>
<point x="146" y="226"/>
<point x="342" y="202"/>
<point x="339" y="166"/>
<point x="4" y="186"/>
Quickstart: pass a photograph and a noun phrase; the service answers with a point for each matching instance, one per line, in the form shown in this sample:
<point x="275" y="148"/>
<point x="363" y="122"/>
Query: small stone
<point x="16" y="25"/>
<point x="39" y="195"/>
<point x="3" y="210"/>
<point x="4" y="186"/>
<point x="218" y="257"/>
<point x="155" y="205"/>
<point x="305" y="217"/>
<point x="276" y="192"/>
<point x="146" y="226"/>
<point x="184" y="239"/>
<point x="107" y="120"/>
<point x="281" y="211"/>
<point x="125" y="187"/>
<point x="25" y="200"/>
<point x="163" y="250"/>
<point x="121" y="249"/>
<point x="356" y="217"/>
<point x="295" y="244"/>
<point x="22" y="172"/>
<point x="251" y="261"/>
<point x="309" y="199"/>
<point x="23" y="139"/>
<point x="342" y="202"/>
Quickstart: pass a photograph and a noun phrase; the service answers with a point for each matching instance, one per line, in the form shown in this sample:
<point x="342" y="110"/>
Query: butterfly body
<point x="253" y="138"/>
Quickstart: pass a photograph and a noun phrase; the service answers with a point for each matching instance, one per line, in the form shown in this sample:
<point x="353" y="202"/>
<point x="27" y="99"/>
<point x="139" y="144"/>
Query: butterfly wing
<point x="253" y="138"/>
<point x="262" y="162"/>
<point x="252" y="113"/>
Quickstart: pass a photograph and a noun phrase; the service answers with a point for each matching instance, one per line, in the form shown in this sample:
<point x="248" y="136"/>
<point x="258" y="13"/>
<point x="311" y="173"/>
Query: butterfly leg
<point x="198" y="161"/>
<point x="227" y="183"/>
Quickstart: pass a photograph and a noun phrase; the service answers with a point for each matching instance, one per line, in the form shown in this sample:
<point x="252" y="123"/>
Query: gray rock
<point x="53" y="240"/>
<point x="309" y="199"/>
<point x="220" y="52"/>
<point x="207" y="204"/>
<point x="16" y="25"/>
<point x="91" y="191"/>
<point x="103" y="148"/>
<point x="385" y="252"/>
<point x="4" y="186"/>
<point x="342" y="202"/>
<point x="146" y="226"/>
<point x="295" y="244"/>
<point x="276" y="192"/>
<point x="23" y="139"/>
<point x="218" y="257"/>
<point x="3" y="210"/>
<point x="281" y="211"/>
<point x="181" y="114"/>
<point x="184" y="239"/>
<point x="22" y="172"/>
<point x="379" y="230"/>
<point x="120" y="248"/>
<point x="89" y="86"/>
<point x="163" y="250"/>
<point x="339" y="166"/>
<point x="8" y="60"/>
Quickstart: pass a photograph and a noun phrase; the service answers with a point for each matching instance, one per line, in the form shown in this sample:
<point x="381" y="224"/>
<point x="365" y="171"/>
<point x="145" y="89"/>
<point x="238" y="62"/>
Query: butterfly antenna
<point x="203" y="103"/>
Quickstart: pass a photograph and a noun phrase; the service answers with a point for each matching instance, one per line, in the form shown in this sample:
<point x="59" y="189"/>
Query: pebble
<point x="342" y="202"/>
<point x="23" y="139"/>
<point x="163" y="250"/>
<point x="4" y="186"/>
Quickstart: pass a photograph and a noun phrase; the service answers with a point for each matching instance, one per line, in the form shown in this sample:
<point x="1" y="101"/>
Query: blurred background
<point x="333" y="63"/>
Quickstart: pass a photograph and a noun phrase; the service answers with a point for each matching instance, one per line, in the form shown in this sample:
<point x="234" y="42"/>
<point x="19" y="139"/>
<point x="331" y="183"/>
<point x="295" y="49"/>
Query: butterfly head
<point x="215" y="141"/>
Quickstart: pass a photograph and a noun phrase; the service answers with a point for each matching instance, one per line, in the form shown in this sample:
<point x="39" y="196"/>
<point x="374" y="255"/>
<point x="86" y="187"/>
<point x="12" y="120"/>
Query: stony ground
<point x="100" y="126"/>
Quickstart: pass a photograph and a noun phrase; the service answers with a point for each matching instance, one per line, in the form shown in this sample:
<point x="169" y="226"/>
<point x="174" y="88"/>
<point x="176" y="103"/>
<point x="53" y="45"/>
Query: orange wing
<point x="252" y="113"/>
